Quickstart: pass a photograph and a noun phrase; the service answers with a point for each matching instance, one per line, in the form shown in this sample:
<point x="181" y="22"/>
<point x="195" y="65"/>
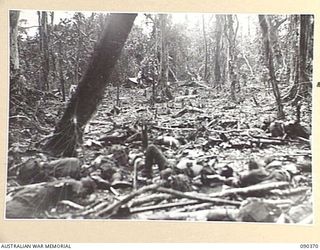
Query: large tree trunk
<point x="292" y="52"/>
<point x="270" y="65"/>
<point x="90" y="90"/>
<point x="303" y="80"/>
<point x="14" y="48"/>
<point x="290" y="48"/>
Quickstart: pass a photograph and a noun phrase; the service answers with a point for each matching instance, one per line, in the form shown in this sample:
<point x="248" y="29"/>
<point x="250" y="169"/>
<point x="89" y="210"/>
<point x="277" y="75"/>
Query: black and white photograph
<point x="160" y="116"/>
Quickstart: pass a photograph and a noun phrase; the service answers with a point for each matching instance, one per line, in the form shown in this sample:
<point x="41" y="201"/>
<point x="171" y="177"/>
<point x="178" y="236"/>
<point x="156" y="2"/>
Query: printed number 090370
<point x="309" y="246"/>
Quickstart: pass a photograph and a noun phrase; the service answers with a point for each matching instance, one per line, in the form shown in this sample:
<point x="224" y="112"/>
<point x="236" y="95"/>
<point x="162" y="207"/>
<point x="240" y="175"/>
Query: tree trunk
<point x="44" y="50"/>
<point x="205" y="75"/>
<point x="14" y="47"/>
<point x="233" y="78"/>
<point x="217" y="70"/>
<point x="78" y="47"/>
<point x="164" y="59"/>
<point x="303" y="51"/>
<point x="293" y="58"/>
<point x="163" y="51"/>
<point x="51" y="50"/>
<point x="90" y="90"/>
<point x="269" y="60"/>
<point x="289" y="50"/>
<point x="61" y="77"/>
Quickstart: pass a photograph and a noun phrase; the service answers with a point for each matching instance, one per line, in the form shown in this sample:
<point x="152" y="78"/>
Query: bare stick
<point x="162" y="206"/>
<point x="199" y="197"/>
<point x="218" y="214"/>
<point x="255" y="189"/>
<point x="150" y="198"/>
<point x="108" y="211"/>
<point x="294" y="191"/>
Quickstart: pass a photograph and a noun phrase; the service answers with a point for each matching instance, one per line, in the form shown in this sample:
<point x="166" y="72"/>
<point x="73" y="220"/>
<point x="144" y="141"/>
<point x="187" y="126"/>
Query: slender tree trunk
<point x="164" y="58"/>
<point x="78" y="47"/>
<point x="289" y="55"/>
<point x="270" y="65"/>
<point x="61" y="77"/>
<point x="44" y="50"/>
<point x="163" y="51"/>
<point x="205" y="75"/>
<point x="249" y="26"/>
<point x="231" y="36"/>
<point x="90" y="90"/>
<point x="217" y="70"/>
<point x="51" y="51"/>
<point x="14" y="47"/>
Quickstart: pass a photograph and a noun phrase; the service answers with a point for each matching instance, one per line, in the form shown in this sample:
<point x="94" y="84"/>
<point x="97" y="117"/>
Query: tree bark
<point x="61" y="77"/>
<point x="205" y="75"/>
<point x="270" y="65"/>
<point x="303" y="51"/>
<point x="217" y="70"/>
<point x="44" y="50"/>
<point x="163" y="51"/>
<point x="14" y="47"/>
<point x="90" y="90"/>
<point x="231" y="36"/>
<point x="292" y="53"/>
<point x="164" y="59"/>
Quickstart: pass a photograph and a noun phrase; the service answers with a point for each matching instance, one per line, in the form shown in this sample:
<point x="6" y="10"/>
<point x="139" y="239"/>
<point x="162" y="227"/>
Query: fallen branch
<point x="113" y="208"/>
<point x="150" y="198"/>
<point x="199" y="197"/>
<point x="268" y="141"/>
<point x="279" y="202"/>
<point x="258" y="189"/>
<point x="218" y="214"/>
<point x="162" y="206"/>
<point x="174" y="128"/>
<point x="294" y="191"/>
<point x="195" y="84"/>
<point x="303" y="139"/>
<point x="196" y="207"/>
<point x="20" y="116"/>
<point x="18" y="188"/>
<point x="183" y="97"/>
<point x="187" y="110"/>
<point x="71" y="204"/>
<point x="307" y="220"/>
<point x="248" y="64"/>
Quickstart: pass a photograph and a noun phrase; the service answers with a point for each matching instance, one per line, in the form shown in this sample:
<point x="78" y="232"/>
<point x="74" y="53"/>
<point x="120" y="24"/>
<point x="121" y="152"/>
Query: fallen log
<point x="162" y="206"/>
<point x="183" y="97"/>
<point x="199" y="197"/>
<point x="294" y="191"/>
<point x="150" y="198"/>
<point x="255" y="190"/>
<point x="307" y="220"/>
<point x="174" y="128"/>
<point x="196" y="207"/>
<point x="113" y="208"/>
<point x="200" y="84"/>
<point x="218" y="214"/>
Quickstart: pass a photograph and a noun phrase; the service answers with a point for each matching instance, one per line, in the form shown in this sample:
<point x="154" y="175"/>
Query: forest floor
<point x="200" y="132"/>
